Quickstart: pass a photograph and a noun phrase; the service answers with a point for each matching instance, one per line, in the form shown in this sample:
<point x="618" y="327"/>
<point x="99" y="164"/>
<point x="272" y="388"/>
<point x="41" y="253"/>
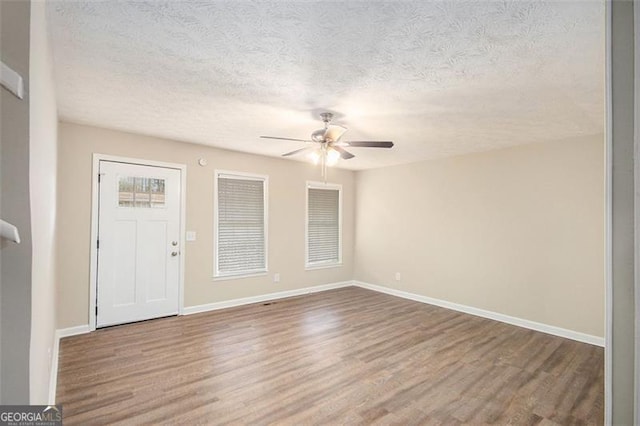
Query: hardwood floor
<point x="346" y="356"/>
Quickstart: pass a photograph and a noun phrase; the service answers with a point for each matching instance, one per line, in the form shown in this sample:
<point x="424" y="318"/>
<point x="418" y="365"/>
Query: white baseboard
<point x="189" y="310"/>
<point x="53" y="371"/>
<point x="532" y="325"/>
<point x="72" y="331"/>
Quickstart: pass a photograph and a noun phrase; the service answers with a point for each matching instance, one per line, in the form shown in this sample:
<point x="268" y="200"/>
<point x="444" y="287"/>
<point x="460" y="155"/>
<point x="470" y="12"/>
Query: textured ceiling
<point x="437" y="78"/>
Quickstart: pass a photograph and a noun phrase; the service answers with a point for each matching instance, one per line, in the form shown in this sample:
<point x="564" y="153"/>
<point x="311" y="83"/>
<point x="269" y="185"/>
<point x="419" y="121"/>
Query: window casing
<point x="323" y="225"/>
<point x="240" y="224"/>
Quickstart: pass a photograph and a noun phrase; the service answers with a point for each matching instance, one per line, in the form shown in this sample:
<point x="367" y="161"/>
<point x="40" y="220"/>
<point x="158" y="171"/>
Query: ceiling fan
<point x="326" y="145"/>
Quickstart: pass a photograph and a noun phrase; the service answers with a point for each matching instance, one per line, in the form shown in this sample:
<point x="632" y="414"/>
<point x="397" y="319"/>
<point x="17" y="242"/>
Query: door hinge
<point x="96" y="310"/>
<point x="99" y="177"/>
<point x="98" y="244"/>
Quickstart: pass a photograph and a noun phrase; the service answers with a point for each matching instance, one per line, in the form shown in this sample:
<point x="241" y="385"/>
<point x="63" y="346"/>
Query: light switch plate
<point x="191" y="235"/>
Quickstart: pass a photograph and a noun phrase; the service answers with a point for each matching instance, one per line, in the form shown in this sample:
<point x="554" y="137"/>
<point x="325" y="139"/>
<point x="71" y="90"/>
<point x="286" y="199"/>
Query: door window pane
<point x="141" y="192"/>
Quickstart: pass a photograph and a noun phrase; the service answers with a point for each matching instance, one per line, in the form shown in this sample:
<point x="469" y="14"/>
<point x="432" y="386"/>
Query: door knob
<point x="174" y="253"/>
<point x="174" y="243"/>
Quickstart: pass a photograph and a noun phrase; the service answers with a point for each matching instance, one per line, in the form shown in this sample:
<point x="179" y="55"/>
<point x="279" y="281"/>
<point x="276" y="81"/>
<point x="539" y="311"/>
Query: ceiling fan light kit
<point x="329" y="149"/>
<point x="332" y="156"/>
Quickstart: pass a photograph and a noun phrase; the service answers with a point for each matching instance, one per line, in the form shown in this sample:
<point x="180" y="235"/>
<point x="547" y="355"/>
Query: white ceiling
<point x="437" y="78"/>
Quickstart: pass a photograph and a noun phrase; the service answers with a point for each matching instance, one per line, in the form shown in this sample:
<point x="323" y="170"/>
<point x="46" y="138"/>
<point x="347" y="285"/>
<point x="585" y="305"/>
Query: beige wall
<point x="518" y="231"/>
<point x="43" y="131"/>
<point x="287" y="180"/>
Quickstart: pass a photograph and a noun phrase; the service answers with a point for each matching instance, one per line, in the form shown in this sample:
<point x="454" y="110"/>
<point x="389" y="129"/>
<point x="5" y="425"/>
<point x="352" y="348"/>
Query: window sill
<point x="239" y="276"/>
<point x="322" y="266"/>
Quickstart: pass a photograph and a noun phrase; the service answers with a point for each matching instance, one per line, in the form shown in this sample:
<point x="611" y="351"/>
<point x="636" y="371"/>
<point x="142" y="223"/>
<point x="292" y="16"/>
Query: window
<point x="140" y="192"/>
<point x="240" y="224"/>
<point x="324" y="225"/>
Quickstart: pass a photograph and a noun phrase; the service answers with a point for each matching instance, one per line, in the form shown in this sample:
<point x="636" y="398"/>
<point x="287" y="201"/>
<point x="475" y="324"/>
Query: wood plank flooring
<point x="346" y="356"/>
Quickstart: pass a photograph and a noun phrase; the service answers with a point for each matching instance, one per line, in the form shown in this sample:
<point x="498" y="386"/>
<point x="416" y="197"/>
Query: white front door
<point x="138" y="243"/>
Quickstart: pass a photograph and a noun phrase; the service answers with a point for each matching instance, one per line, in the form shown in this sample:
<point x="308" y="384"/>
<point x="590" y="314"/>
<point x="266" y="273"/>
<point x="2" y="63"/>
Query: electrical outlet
<point x="398" y="276"/>
<point x="276" y="277"/>
<point x="191" y="236"/>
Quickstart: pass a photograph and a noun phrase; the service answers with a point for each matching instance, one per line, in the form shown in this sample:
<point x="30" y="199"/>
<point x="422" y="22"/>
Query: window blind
<point x="241" y="226"/>
<point x="323" y="228"/>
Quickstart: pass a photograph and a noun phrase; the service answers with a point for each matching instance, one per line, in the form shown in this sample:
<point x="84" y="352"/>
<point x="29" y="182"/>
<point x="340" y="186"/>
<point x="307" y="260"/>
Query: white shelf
<point x="11" y="80"/>
<point x="9" y="232"/>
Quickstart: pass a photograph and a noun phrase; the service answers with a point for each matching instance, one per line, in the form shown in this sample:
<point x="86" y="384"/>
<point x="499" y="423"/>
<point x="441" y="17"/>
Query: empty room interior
<point x="319" y="212"/>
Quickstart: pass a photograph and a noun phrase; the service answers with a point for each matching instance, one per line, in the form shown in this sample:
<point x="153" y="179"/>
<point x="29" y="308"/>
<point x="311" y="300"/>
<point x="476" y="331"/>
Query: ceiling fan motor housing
<point x="326" y="117"/>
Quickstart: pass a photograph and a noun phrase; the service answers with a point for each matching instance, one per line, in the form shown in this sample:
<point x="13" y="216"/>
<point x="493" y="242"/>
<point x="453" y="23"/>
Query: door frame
<point x="93" y="268"/>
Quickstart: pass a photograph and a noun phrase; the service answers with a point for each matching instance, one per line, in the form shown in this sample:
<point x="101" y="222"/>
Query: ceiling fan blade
<point x="343" y="153"/>
<point x="285" y="139"/>
<point x="368" y="144"/>
<point x="334" y="133"/>
<point x="297" y="151"/>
